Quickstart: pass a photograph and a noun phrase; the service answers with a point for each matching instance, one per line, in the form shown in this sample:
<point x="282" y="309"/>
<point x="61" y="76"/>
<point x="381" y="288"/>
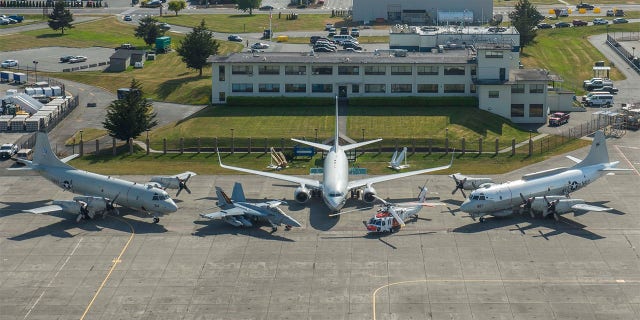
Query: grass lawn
<point x="242" y="23"/>
<point x="574" y="58"/>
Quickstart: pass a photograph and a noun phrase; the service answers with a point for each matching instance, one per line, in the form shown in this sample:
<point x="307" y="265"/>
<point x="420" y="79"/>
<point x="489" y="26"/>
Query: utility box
<point x="163" y="44"/>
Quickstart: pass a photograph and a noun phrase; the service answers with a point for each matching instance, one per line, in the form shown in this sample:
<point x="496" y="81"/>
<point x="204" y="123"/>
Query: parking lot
<point x="48" y="58"/>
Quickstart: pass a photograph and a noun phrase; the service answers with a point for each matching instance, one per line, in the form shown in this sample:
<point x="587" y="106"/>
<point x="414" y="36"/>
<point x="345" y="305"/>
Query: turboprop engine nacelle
<point x="369" y="194"/>
<point x="302" y="194"/>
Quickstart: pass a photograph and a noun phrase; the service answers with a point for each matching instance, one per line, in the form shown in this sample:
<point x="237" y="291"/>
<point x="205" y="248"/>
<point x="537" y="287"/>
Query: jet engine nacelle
<point x="369" y="194"/>
<point x="302" y="194"/>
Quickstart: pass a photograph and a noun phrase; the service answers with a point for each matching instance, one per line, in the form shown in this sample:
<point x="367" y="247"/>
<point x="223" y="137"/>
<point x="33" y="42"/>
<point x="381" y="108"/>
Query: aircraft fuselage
<point x="501" y="199"/>
<point x="126" y="193"/>
<point x="335" y="179"/>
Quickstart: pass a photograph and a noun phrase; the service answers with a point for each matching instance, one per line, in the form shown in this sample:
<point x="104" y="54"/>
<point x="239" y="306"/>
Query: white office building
<point x="424" y="12"/>
<point x="488" y="72"/>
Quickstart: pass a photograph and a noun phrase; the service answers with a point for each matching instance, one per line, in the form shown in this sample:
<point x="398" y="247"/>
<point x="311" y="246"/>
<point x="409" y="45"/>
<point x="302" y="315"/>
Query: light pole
<point x="81" y="145"/>
<point x="233" y="145"/>
<point x="35" y="69"/>
<point x="147" y="142"/>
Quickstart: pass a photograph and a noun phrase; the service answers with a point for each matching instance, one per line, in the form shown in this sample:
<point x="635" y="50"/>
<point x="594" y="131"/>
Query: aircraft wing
<point x="45" y="210"/>
<point x="363" y="182"/>
<point x="69" y="158"/>
<point x="315" y="184"/>
<point x="184" y="175"/>
<point x="224" y="213"/>
<point x="588" y="207"/>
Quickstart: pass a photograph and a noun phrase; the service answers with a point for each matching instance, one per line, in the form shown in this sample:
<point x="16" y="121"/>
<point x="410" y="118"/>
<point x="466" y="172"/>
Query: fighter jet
<point x="237" y="212"/>
<point x="335" y="185"/>
<point x="100" y="193"/>
<point x="510" y="197"/>
<point x="178" y="181"/>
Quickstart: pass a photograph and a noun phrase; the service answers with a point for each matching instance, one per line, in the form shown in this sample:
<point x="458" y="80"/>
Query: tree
<point x="60" y="18"/>
<point x="148" y="29"/>
<point x="176" y="5"/>
<point x="245" y="5"/>
<point x="129" y="117"/>
<point x="525" y="17"/>
<point x="197" y="46"/>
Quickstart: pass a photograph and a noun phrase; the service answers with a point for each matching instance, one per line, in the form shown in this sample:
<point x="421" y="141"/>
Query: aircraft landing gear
<point x="156" y="219"/>
<point x="274" y="229"/>
<point x="481" y="219"/>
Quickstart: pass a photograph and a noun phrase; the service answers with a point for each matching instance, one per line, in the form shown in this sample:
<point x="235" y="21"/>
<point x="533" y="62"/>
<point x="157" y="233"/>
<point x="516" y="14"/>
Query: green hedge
<point x="415" y="101"/>
<point x="279" y="102"/>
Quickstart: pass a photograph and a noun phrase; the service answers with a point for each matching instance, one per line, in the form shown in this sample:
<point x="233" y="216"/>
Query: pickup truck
<point x="595" y="83"/>
<point x="558" y="119"/>
<point x="7" y="150"/>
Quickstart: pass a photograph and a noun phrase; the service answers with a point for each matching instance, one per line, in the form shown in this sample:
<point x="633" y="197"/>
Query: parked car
<point x="127" y="18"/>
<point x="344" y="30"/>
<point x="544" y="26"/>
<point x="328" y="26"/>
<point x="583" y="5"/>
<point x="260" y="45"/>
<point x="609" y="89"/>
<point x="7" y="150"/>
<point x="9" y="63"/>
<point x="16" y="18"/>
<point x="563" y="24"/>
<point x="598" y="21"/>
<point x="65" y="58"/>
<point x="234" y="37"/>
<point x="353" y="50"/>
<point x="578" y="23"/>
<point x="610" y="13"/>
<point x="619" y="13"/>
<point x="77" y="59"/>
<point x="620" y="20"/>
<point x="355" y="32"/>
<point x="164" y="26"/>
<point x="323" y="49"/>
<point x="266" y="8"/>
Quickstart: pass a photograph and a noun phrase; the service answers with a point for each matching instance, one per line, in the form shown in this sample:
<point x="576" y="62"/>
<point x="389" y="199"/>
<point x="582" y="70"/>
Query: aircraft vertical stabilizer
<point x="223" y="200"/>
<point x="238" y="193"/>
<point x="336" y="141"/>
<point x="598" y="152"/>
<point x="44" y="155"/>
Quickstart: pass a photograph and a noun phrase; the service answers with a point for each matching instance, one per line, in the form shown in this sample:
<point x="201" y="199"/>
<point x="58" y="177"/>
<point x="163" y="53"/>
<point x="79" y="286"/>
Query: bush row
<point x="415" y="101"/>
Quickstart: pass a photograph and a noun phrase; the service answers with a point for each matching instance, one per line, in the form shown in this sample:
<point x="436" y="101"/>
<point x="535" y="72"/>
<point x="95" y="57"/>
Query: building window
<point x="472" y="88"/>
<point x="268" y="69"/>
<point x="454" y="88"/>
<point x="494" y="94"/>
<point x="348" y="70"/>
<point x="326" y="70"/>
<point x="374" y="88"/>
<point x="493" y="54"/>
<point x="517" y="88"/>
<point x="295" y="70"/>
<point x="454" y="71"/>
<point x="517" y="110"/>
<point x="355" y="88"/>
<point x="427" y="88"/>
<point x="269" y="87"/>
<point x="220" y="73"/>
<point x="375" y="70"/>
<point x="242" y="87"/>
<point x="295" y="87"/>
<point x="536" y="88"/>
<point x="401" y="70"/>
<point x="321" y="88"/>
<point x="535" y="110"/>
<point x="241" y="70"/>
<point x="474" y="70"/>
<point x="428" y="70"/>
<point x="401" y="88"/>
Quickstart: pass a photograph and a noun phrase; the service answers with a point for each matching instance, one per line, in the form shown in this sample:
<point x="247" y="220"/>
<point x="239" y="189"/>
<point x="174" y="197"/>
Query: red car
<point x="558" y="119"/>
<point x="578" y="23"/>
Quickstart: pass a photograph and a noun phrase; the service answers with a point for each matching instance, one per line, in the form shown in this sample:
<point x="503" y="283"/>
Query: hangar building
<point x="423" y="12"/>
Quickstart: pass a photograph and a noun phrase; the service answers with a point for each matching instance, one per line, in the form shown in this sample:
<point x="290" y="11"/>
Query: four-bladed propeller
<point x="551" y="208"/>
<point x="459" y="185"/>
<point x="526" y="205"/>
<point x="182" y="184"/>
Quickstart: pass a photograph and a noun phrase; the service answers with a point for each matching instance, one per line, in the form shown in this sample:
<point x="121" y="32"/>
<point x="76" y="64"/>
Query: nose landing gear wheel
<point x="481" y="219"/>
<point x="156" y="219"/>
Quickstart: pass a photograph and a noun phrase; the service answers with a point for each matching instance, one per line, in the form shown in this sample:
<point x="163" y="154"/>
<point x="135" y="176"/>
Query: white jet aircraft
<point x="335" y="183"/>
<point x="100" y="193"/>
<point x="507" y="198"/>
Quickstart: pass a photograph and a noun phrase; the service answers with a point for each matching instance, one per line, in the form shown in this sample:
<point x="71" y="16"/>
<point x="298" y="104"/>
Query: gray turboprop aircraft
<point x="527" y="193"/>
<point x="335" y="184"/>
<point x="100" y="193"/>
<point x="237" y="212"/>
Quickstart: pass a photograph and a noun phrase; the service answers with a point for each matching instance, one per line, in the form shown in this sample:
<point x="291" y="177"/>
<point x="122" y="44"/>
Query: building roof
<point x="529" y="75"/>
<point x="383" y="56"/>
<point x="451" y="30"/>
<point x="124" y="53"/>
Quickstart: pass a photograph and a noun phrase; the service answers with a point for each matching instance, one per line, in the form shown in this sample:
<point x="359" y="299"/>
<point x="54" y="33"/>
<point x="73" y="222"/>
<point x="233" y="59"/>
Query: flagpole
<point x="270" y="28"/>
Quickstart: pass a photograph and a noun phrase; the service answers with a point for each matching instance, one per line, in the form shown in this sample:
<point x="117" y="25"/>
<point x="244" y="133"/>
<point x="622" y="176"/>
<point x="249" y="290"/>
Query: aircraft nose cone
<point x="465" y="206"/>
<point x="335" y="203"/>
<point x="171" y="206"/>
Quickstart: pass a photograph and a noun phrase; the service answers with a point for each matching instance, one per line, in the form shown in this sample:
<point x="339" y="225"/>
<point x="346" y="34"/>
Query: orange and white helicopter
<point x="391" y="217"/>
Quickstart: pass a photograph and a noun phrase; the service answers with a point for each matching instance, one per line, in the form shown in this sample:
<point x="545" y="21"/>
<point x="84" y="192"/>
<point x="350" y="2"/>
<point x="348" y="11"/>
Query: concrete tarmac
<point x="444" y="265"/>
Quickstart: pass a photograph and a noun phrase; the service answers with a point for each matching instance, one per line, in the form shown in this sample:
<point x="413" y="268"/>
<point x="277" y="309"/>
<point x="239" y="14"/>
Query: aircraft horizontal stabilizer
<point x="359" y="144"/>
<point x="313" y="144"/>
<point x="574" y="159"/>
<point x="222" y="214"/>
<point x="45" y="210"/>
<point x="588" y="207"/>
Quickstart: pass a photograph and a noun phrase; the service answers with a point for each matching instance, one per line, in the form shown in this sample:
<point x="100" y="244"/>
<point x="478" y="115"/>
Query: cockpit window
<point x="478" y="197"/>
<point x="336" y="194"/>
<point x="160" y="197"/>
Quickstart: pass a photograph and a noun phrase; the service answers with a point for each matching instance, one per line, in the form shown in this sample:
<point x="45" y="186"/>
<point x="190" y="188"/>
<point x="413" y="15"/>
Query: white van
<point x="600" y="100"/>
<point x="592" y="93"/>
<point x="343" y="37"/>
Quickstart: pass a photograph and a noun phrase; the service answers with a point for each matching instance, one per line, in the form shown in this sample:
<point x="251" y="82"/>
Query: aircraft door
<point x="342" y="91"/>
